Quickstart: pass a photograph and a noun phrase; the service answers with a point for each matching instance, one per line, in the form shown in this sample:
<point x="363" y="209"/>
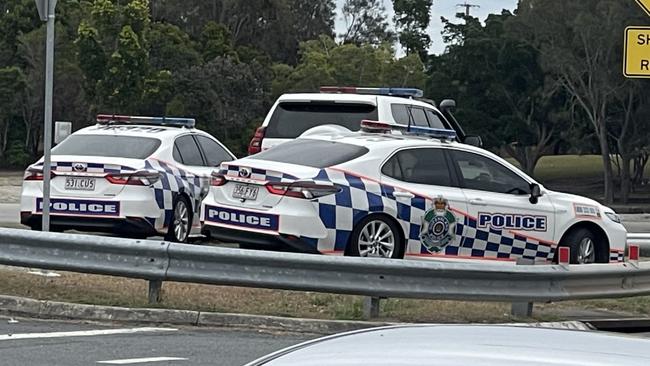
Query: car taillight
<point x="217" y="180"/>
<point x="134" y="179"/>
<point x="35" y="175"/>
<point x="301" y="189"/>
<point x="255" y="145"/>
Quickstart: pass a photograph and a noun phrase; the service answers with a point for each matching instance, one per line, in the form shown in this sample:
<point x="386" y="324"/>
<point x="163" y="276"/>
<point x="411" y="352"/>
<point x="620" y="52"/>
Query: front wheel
<point x="181" y="222"/>
<point x="582" y="245"/>
<point x="375" y="236"/>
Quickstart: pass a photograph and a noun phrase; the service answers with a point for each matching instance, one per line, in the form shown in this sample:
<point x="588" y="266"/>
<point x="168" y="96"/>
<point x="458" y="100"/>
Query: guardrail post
<point x="522" y="309"/>
<point x="154" y="291"/>
<point x="370" y="307"/>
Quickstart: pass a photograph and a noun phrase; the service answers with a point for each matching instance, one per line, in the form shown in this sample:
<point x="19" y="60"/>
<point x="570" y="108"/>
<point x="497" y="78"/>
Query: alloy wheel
<point x="376" y="239"/>
<point x="181" y="221"/>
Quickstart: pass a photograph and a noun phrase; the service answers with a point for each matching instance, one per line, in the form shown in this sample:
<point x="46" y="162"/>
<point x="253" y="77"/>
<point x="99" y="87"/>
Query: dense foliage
<point x="543" y="80"/>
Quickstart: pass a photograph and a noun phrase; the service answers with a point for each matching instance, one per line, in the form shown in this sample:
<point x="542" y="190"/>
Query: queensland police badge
<point x="438" y="226"/>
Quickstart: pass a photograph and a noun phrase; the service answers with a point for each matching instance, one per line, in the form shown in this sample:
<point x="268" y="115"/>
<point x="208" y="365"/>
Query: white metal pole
<point x="47" y="134"/>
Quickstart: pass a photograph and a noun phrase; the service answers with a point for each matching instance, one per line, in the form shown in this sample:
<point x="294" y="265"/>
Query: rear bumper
<point x="123" y="226"/>
<point x="269" y="241"/>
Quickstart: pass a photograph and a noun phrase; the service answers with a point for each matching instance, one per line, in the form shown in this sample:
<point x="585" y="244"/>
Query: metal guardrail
<point x="164" y="261"/>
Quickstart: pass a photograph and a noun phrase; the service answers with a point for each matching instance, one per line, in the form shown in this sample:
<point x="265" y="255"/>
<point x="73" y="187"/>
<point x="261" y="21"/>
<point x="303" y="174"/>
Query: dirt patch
<point x="10" y="183"/>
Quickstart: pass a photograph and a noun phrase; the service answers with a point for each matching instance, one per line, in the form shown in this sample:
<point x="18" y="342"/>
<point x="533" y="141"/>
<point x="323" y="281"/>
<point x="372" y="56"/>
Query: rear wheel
<point x="375" y="236"/>
<point x="181" y="222"/>
<point x="582" y="244"/>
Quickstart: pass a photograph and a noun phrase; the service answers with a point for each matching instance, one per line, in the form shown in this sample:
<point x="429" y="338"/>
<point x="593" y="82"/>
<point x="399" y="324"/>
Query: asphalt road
<point x="51" y="343"/>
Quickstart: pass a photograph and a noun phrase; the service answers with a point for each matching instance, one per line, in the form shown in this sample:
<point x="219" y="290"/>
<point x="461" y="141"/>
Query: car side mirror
<point x="447" y="105"/>
<point x="61" y="131"/>
<point x="535" y="193"/>
<point x="473" y="140"/>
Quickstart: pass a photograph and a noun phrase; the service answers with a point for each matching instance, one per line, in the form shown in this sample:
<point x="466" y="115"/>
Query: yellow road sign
<point x="637" y="52"/>
<point x="645" y="4"/>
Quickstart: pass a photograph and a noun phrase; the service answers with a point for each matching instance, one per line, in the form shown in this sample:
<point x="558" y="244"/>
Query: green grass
<point x="570" y="167"/>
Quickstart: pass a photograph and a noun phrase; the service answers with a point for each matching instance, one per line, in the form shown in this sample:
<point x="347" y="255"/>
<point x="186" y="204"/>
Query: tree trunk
<point x="625" y="178"/>
<point x="607" y="164"/>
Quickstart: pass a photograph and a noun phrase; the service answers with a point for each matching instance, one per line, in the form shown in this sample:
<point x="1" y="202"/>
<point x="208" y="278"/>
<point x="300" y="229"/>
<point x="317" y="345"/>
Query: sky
<point x="444" y="8"/>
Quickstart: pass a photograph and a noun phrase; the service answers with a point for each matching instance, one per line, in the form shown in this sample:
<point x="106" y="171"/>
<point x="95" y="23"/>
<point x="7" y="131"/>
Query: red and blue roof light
<point x="397" y="92"/>
<point x="384" y="127"/>
<point x="143" y="120"/>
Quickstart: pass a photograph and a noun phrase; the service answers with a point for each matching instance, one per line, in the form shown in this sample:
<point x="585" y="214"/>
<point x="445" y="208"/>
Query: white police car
<point x="375" y="193"/>
<point x="134" y="176"/>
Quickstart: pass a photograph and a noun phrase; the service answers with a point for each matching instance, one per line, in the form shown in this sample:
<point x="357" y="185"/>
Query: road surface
<point x="52" y="343"/>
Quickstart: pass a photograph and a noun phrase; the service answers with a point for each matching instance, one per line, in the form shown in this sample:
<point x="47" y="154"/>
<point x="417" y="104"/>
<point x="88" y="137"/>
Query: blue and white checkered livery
<point x="133" y="176"/>
<point x="412" y="194"/>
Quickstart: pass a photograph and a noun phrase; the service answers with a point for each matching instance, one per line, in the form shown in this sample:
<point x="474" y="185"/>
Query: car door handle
<point x="477" y="202"/>
<point x="402" y="194"/>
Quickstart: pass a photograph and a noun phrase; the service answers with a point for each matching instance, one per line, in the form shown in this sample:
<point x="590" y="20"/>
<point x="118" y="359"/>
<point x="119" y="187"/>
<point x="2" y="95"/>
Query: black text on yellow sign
<point x="637" y="52"/>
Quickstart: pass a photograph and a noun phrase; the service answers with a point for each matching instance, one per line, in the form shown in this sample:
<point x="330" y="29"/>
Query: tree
<point x="273" y="27"/>
<point x="411" y="20"/>
<point x="324" y="62"/>
<point x="629" y="128"/>
<point x="580" y="51"/>
<point x="366" y="23"/>
<point x="12" y="84"/>
<point x="503" y="92"/>
<point x="224" y="95"/>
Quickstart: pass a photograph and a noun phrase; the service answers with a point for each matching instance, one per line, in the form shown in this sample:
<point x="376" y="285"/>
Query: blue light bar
<point x="141" y="120"/>
<point x="438" y="133"/>
<point x="398" y="92"/>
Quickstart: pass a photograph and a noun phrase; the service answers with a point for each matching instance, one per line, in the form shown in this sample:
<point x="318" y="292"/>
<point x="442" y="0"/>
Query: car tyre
<point x="375" y="236"/>
<point x="583" y="246"/>
<point x="181" y="221"/>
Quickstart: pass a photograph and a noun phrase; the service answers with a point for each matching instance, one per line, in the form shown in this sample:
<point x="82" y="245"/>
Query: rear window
<point x="314" y="153"/>
<point x="290" y="120"/>
<point x="115" y="146"/>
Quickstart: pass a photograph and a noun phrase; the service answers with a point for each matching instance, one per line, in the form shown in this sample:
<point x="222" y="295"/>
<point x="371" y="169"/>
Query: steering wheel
<point x="484" y="177"/>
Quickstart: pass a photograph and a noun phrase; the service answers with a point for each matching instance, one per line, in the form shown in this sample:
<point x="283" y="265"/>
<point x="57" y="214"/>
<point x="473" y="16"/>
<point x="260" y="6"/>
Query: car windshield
<point x="290" y="120"/>
<point x="314" y="153"/>
<point x="115" y="146"/>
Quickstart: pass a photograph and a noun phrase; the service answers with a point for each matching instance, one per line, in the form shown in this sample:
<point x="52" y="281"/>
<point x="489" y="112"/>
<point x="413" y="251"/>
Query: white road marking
<point x="129" y="361"/>
<point x="83" y="333"/>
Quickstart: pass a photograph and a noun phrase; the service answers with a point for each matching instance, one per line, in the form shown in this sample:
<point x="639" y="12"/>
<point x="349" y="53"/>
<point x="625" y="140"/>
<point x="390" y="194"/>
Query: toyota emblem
<point x="244" y="172"/>
<point x="80" y="167"/>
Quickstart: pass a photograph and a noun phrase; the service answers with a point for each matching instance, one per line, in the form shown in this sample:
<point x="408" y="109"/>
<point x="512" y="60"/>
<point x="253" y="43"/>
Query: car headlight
<point x="614" y="217"/>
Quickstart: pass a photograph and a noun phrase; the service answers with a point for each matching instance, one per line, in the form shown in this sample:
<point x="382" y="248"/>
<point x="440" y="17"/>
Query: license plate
<point x="80" y="184"/>
<point x="245" y="191"/>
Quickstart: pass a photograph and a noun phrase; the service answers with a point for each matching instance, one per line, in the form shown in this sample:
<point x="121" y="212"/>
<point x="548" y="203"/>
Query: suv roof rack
<point x="397" y="92"/>
<point x="114" y="119"/>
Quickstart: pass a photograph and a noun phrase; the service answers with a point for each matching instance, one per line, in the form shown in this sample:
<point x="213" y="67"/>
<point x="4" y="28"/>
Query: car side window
<point x="484" y="174"/>
<point x="189" y="151"/>
<point x="420" y="166"/>
<point x="177" y="154"/>
<point x="434" y="120"/>
<point x="400" y="113"/>
<point x="214" y="153"/>
<point x="419" y="117"/>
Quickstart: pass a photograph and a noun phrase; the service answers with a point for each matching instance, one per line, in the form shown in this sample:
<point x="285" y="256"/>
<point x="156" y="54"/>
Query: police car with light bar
<point x="293" y="114"/>
<point x="130" y="175"/>
<point x="416" y="194"/>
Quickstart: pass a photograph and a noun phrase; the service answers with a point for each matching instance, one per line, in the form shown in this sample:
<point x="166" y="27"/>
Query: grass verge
<point x="115" y="291"/>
